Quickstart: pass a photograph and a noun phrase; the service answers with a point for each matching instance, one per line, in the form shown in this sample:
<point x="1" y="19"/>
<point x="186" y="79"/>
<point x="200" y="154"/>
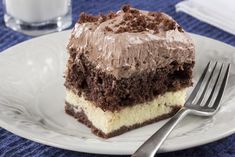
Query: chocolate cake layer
<point x="81" y="117"/>
<point x="110" y="93"/>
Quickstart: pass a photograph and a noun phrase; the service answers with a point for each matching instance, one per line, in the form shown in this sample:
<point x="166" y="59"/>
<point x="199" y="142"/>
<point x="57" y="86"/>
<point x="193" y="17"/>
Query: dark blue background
<point x="12" y="145"/>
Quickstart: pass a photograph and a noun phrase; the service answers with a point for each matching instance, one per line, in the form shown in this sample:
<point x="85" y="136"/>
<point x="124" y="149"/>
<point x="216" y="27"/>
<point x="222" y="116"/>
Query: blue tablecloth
<point x="15" y="146"/>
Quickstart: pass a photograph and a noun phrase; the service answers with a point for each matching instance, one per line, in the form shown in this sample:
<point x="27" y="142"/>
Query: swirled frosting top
<point x="131" y="41"/>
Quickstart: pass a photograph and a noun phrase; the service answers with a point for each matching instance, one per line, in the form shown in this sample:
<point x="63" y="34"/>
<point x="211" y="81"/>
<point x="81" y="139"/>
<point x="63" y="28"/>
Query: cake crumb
<point x="87" y="18"/>
<point x="112" y="15"/>
<point x="126" y="8"/>
<point x="107" y="28"/>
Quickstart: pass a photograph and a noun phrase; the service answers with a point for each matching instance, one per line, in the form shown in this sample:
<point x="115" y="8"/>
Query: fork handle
<point x="151" y="146"/>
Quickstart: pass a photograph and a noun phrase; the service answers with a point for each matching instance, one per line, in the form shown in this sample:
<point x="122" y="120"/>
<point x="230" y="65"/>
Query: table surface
<point x="12" y="145"/>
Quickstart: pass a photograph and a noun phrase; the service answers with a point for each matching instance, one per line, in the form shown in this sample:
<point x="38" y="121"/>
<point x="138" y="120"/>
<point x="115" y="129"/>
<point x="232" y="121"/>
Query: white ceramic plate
<point x="32" y="101"/>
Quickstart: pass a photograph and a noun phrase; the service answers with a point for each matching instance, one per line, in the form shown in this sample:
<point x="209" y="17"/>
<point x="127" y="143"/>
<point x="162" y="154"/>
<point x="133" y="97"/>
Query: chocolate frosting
<point x="127" y="53"/>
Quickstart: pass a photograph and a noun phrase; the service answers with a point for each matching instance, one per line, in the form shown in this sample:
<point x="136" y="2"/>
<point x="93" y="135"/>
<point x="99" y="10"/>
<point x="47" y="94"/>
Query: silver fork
<point x="203" y="101"/>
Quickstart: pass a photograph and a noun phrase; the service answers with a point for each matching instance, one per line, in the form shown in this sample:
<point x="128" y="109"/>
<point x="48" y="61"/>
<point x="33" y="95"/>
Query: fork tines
<point x="210" y="87"/>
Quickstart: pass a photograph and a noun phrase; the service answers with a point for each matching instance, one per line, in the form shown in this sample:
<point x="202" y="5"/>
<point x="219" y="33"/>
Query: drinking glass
<point x="37" y="17"/>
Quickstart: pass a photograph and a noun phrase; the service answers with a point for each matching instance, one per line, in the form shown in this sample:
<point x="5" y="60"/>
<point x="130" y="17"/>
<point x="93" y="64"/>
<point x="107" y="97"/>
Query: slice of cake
<point x="126" y="70"/>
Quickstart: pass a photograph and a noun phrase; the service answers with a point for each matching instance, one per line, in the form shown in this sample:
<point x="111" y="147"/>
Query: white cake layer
<point x="108" y="121"/>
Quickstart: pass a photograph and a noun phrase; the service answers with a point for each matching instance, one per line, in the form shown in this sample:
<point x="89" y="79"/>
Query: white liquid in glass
<point x="36" y="10"/>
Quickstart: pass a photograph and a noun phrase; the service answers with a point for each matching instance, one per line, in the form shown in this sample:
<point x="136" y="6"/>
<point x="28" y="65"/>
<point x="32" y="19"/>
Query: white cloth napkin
<point x="219" y="13"/>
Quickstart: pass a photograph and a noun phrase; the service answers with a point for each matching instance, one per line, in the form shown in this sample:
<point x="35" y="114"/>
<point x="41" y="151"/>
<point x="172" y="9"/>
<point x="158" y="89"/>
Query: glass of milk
<point x="37" y="17"/>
